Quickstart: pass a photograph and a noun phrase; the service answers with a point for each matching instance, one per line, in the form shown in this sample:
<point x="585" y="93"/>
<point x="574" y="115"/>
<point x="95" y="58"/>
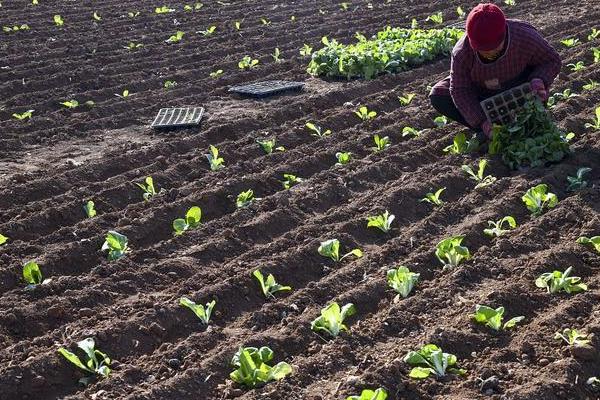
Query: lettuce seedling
<point x="70" y="103"/>
<point x="176" y="37"/>
<point x="478" y="177"/>
<point x="493" y="318"/>
<point x="577" y="182"/>
<point x="496" y="228"/>
<point x="402" y="280"/>
<point x="134" y="46"/>
<point x="593" y="241"/>
<point x="434" y="198"/>
<point x="277" y="55"/>
<point x="331" y="248"/>
<point x="216" y="162"/>
<point x="572" y="337"/>
<point x="316" y="130"/>
<point x="406" y="99"/>
<point x="269" y="287"/>
<point x="436" y="18"/>
<point x="290" y="180"/>
<point x="430" y="359"/>
<point x="594" y="34"/>
<point x="245" y="198"/>
<point x="96" y="16"/>
<point x="332" y="319"/>
<point x="133" y="14"/>
<point x="450" y="252"/>
<point x="170" y="84"/>
<point x="123" y="95"/>
<point x="210" y="30"/>
<point x="364" y="113"/>
<point x="252" y="369"/>
<point x="538" y="198"/>
<point x="3" y="239"/>
<point x="216" y="74"/>
<point x="25" y="115"/>
<point x="306" y="50"/>
<point x="556" y="281"/>
<point x="247" y="63"/>
<point x="460" y="12"/>
<point x="570" y="42"/>
<point x="116" y="244"/>
<point x="462" y="145"/>
<point x="89" y="209"/>
<point x="95" y="361"/>
<point x="595" y="123"/>
<point x="410" y="131"/>
<point x="382" y="221"/>
<point x="381" y="143"/>
<point x="578" y="66"/>
<point x="368" y="394"/>
<point x="268" y="145"/>
<point x="237" y="25"/>
<point x="591" y="85"/>
<point x="148" y="190"/>
<point x="440" y="121"/>
<point x="33" y="275"/>
<point x="58" y="21"/>
<point x="163" y="10"/>
<point x="343" y="158"/>
<point x="202" y="312"/>
<point x="191" y="221"/>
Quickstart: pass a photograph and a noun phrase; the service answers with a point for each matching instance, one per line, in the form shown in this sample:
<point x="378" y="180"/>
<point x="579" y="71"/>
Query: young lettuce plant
<point x="316" y="130"/>
<point x="592" y="84"/>
<point x="593" y="241"/>
<point x="268" y="145"/>
<point x="290" y="180"/>
<point x="216" y="162"/>
<point x="578" y="66"/>
<point x="450" y="252"/>
<point x="479" y="176"/>
<point x="163" y="10"/>
<point x="382" y="222"/>
<point x="269" y="286"/>
<point x="496" y="228"/>
<point x="23" y="116"/>
<point x="95" y="361"/>
<point x="33" y="275"/>
<point x="434" y="198"/>
<point x="364" y="114"/>
<point x="70" y="103"/>
<point x="440" y="121"/>
<point x="252" y="369"/>
<point x="406" y="99"/>
<point x="493" y="318"/>
<point x="202" y="312"/>
<point x="116" y="244"/>
<point x="277" y="55"/>
<point x="343" y="158"/>
<point x="577" y="182"/>
<point x="570" y="42"/>
<point x="436" y="18"/>
<point x="410" y="131"/>
<point x="210" y="30"/>
<point x="538" y="198"/>
<point x="216" y="74"/>
<point x="148" y="190"/>
<point x="247" y="62"/>
<point x="245" y="198"/>
<point x="89" y="209"/>
<point x="556" y="281"/>
<point x="3" y="239"/>
<point x="58" y="21"/>
<point x="368" y="394"/>
<point x="176" y="38"/>
<point x="332" y="319"/>
<point x="572" y="337"/>
<point x="381" y="143"/>
<point x="170" y="85"/>
<point x="402" y="280"/>
<point x="191" y="221"/>
<point x="430" y="359"/>
<point x="595" y="122"/>
<point x="462" y="145"/>
<point x="331" y="248"/>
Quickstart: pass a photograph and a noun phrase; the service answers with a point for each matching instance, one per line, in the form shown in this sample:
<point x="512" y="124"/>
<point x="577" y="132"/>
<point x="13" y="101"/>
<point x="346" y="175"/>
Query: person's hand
<point x="539" y="89"/>
<point x="486" y="127"/>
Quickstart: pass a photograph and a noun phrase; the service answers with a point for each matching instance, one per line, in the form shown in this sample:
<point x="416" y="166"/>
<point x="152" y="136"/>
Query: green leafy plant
<point x="148" y="190"/>
<point x="3" y="239"/>
<point x="332" y="319"/>
<point x="440" y="121"/>
<point x="331" y="248"/>
<point x="163" y="10"/>
<point x="208" y="31"/>
<point x="123" y="95"/>
<point x="577" y="182"/>
<point x="268" y="145"/>
<point x="368" y="394"/>
<point x="237" y="25"/>
<point x="410" y="131"/>
<point x="215" y="162"/>
<point x="247" y="63"/>
<point x="537" y="199"/>
<point x="436" y="18"/>
<point x="430" y="359"/>
<point x="25" y="115"/>
<point x="382" y="222"/>
<point x="595" y="33"/>
<point x="216" y="74"/>
<point x="202" y="312"/>
<point x="245" y="198"/>
<point x="58" y="21"/>
<point x="402" y="280"/>
<point x="170" y="85"/>
<point x="510" y="3"/>
<point x="96" y="16"/>
<point x="133" y="14"/>
<point x="479" y="176"/>
<point x="265" y="21"/>
<point x="134" y="46"/>
<point x="15" y="28"/>
<point x="462" y="145"/>
<point x="277" y="55"/>
<point x="195" y="7"/>
<point x="595" y="123"/>
<point x="95" y="361"/>
<point x="33" y="275"/>
<point x="89" y="209"/>
<point x="406" y="99"/>
<point x="116" y="245"/>
<point x="460" y="12"/>
<point x="572" y="337"/>
<point x="70" y="103"/>
<point x="578" y="66"/>
<point x="557" y="281"/>
<point x="434" y="198"/>
<point x="290" y="180"/>
<point x="269" y="286"/>
<point x="493" y="318"/>
<point x="191" y="221"/>
<point x="591" y="85"/>
<point x="177" y="37"/>
<point x="306" y="50"/>
<point x="343" y="158"/>
<point x="593" y="241"/>
<point x="450" y="252"/>
<point x="364" y="114"/>
<point x="316" y="130"/>
<point x="496" y="228"/>
<point x="570" y="42"/>
<point x="596" y="53"/>
<point x="252" y="369"/>
<point x="381" y="143"/>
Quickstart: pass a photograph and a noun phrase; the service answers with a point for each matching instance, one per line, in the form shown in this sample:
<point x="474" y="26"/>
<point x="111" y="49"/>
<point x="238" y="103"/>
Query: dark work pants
<point x="445" y="106"/>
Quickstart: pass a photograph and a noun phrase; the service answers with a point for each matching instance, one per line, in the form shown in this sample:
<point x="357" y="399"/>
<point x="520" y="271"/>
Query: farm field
<point x="54" y="162"/>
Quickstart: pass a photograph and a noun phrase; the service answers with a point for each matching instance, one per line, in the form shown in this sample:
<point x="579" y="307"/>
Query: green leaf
<point x="32" y="273"/>
<point x="420" y="372"/>
<point x="73" y="359"/>
<point x="3" y="239"/>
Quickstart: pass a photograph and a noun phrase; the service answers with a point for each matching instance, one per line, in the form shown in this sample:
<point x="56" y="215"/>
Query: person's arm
<point x="542" y="57"/>
<point x="463" y="93"/>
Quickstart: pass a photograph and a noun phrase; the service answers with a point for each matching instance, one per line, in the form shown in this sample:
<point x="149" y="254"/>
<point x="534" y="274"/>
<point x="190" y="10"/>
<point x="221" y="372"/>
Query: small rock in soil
<point x="86" y="312"/>
<point x="174" y="363"/>
<point x="543" y="362"/>
<point x="490" y="384"/>
<point x="587" y="353"/>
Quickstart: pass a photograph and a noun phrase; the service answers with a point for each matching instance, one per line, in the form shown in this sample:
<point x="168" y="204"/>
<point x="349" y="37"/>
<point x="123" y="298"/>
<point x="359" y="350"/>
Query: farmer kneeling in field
<point x="495" y="55"/>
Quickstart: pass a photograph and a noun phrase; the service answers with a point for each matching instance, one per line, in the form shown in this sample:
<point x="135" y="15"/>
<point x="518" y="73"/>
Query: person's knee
<point x="439" y="102"/>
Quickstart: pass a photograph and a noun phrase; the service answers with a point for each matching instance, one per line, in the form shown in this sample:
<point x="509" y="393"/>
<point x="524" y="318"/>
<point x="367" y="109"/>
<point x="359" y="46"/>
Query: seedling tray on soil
<point x="178" y="117"/>
<point x="503" y="108"/>
<point x="266" y="88"/>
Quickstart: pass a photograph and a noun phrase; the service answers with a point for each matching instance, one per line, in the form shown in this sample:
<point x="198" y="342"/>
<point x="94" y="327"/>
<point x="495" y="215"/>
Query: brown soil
<point x="60" y="158"/>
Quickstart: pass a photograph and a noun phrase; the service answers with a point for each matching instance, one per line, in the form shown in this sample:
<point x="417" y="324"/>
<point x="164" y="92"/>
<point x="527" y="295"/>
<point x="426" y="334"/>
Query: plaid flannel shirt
<point x="471" y="79"/>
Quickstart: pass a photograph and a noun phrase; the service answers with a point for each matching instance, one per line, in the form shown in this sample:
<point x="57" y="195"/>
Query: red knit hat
<point x="486" y="27"/>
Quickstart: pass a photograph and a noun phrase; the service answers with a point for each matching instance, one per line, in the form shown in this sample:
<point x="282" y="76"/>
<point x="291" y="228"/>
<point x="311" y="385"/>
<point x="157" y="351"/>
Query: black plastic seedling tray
<point x="503" y="108"/>
<point x="266" y="88"/>
<point x="178" y="117"/>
